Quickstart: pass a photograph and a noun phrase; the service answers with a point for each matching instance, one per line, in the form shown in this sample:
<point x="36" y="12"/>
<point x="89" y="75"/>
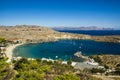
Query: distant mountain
<point x="82" y="28"/>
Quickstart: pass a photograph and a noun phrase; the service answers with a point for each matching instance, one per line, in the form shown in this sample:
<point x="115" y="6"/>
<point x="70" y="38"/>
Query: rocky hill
<point x="36" y="34"/>
<point x="109" y="60"/>
<point x="29" y="33"/>
<point x="82" y="28"/>
<point x="114" y="39"/>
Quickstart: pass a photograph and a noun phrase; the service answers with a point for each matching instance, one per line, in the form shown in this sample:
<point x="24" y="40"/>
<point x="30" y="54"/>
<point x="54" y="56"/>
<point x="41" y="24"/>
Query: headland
<point x="36" y="34"/>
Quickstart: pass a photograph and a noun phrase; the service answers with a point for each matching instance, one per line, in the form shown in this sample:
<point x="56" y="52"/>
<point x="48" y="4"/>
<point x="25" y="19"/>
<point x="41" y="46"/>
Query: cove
<point x="65" y="49"/>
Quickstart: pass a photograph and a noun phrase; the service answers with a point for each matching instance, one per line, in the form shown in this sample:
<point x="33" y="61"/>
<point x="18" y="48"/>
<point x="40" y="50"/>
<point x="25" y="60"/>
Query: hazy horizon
<point x="55" y="13"/>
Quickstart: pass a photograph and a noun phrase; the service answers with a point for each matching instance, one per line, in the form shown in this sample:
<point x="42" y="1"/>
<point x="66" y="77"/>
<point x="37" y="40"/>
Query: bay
<point x="65" y="49"/>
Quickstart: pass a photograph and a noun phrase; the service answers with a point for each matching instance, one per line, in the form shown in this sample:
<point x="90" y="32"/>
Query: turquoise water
<point x="65" y="49"/>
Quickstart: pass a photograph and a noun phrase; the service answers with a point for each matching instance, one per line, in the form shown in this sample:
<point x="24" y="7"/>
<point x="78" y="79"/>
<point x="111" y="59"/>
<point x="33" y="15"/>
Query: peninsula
<point x="35" y="34"/>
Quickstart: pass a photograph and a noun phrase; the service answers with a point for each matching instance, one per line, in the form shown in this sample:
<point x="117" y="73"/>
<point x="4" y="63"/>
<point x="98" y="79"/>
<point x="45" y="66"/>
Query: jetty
<point x="79" y="54"/>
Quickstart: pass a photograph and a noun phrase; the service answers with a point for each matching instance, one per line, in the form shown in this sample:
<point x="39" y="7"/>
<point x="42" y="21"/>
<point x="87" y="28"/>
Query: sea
<point x="65" y="49"/>
<point x="93" y="32"/>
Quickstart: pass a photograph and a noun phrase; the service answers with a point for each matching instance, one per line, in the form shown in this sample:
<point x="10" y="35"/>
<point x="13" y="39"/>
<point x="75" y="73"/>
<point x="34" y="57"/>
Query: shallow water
<point x="65" y="49"/>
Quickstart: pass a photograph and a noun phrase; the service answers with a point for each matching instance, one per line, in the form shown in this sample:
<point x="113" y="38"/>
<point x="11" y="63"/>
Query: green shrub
<point x="67" y="77"/>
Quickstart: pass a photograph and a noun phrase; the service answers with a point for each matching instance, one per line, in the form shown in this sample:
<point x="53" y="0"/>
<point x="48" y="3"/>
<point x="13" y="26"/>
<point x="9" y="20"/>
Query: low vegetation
<point x="2" y="40"/>
<point x="111" y="62"/>
<point x="38" y="69"/>
<point x="67" y="77"/>
<point x="5" y="70"/>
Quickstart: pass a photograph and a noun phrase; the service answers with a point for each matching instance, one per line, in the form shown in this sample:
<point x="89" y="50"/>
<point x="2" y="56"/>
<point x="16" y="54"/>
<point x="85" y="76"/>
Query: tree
<point x="59" y="61"/>
<point x="69" y="62"/>
<point x="39" y="60"/>
<point x="21" y="64"/>
<point x="117" y="71"/>
<point x="67" y="77"/>
<point x="106" y="67"/>
<point x="29" y="75"/>
<point x="118" y="65"/>
<point x="2" y="40"/>
<point x="98" y="59"/>
<point x="4" y="70"/>
<point x="97" y="70"/>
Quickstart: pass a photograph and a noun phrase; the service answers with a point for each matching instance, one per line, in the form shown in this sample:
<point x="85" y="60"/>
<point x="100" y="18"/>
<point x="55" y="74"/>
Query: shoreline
<point x="63" y="62"/>
<point x="11" y="47"/>
<point x="9" y="50"/>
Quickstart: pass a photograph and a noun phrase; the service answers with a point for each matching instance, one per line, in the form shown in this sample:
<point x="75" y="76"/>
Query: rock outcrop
<point x="79" y="54"/>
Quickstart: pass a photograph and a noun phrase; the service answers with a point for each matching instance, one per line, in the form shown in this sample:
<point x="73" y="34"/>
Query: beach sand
<point x="9" y="50"/>
<point x="63" y="62"/>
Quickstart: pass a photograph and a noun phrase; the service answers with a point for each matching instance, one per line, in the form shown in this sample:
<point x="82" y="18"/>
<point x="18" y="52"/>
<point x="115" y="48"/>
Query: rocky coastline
<point x="38" y="34"/>
<point x="79" y="54"/>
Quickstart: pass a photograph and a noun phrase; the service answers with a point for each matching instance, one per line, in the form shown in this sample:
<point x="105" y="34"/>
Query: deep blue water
<point x="65" y="49"/>
<point x="94" y="32"/>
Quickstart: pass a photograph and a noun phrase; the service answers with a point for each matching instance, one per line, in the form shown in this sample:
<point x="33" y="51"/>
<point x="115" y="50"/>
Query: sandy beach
<point x="10" y="48"/>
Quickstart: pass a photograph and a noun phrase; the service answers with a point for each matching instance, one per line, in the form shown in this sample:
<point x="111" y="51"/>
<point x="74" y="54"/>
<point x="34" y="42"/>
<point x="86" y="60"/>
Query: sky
<point x="54" y="13"/>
